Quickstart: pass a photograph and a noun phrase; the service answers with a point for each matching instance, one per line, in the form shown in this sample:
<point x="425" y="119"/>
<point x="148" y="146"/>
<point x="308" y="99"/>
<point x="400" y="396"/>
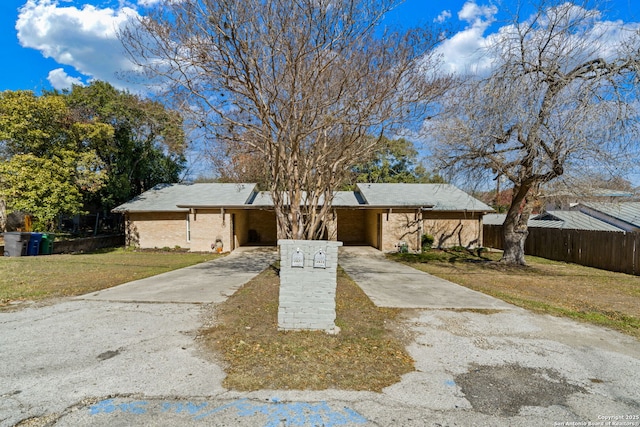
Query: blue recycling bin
<point x="33" y="248"/>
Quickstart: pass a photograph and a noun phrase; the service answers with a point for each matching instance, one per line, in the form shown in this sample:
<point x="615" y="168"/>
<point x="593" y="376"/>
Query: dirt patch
<point x="365" y="355"/>
<point x="504" y="390"/>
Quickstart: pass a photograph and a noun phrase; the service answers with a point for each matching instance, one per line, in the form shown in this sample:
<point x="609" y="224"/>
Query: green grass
<point x="587" y="294"/>
<point x="41" y="277"/>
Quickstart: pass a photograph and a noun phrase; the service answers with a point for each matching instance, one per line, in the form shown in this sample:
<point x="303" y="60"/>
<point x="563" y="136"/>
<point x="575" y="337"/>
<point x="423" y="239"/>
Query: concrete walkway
<point x="209" y="282"/>
<point x="392" y="284"/>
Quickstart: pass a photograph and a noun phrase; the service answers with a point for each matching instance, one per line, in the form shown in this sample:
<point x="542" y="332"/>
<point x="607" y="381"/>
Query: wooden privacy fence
<point x="608" y="250"/>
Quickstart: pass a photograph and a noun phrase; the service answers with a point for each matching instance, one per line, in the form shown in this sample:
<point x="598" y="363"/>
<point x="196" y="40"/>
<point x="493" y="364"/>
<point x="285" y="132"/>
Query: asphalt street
<point x="113" y="360"/>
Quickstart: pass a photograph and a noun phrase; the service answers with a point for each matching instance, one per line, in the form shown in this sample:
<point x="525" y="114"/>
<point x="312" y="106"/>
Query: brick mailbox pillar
<point x="308" y="278"/>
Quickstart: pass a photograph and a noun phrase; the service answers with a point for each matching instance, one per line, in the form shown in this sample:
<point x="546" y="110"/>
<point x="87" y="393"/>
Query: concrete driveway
<point x="122" y="361"/>
<point x="209" y="282"/>
<point x="391" y="284"/>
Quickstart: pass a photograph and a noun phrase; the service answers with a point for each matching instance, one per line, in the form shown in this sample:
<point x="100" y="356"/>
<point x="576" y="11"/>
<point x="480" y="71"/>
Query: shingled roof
<point x="182" y="197"/>
<point x="437" y="197"/>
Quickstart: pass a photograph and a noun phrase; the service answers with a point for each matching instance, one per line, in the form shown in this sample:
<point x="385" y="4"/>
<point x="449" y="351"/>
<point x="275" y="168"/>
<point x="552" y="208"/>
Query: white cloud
<point x="84" y="38"/>
<point x="60" y="80"/>
<point x="473" y="13"/>
<point x="468" y="51"/>
<point x="444" y="15"/>
<point x="147" y="3"/>
<point x="463" y="52"/>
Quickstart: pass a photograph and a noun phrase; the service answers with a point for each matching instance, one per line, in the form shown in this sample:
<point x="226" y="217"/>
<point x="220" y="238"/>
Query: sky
<point x="52" y="44"/>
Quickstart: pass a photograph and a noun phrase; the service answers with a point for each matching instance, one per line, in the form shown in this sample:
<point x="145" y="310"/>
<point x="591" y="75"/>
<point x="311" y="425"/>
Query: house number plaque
<point x="297" y="259"/>
<point x="320" y="259"/>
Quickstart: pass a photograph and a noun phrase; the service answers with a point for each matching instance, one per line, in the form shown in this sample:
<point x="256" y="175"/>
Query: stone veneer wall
<point x="308" y="293"/>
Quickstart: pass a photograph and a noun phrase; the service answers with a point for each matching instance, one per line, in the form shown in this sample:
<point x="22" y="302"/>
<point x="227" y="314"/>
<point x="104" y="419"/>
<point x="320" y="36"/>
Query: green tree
<point x="92" y="147"/>
<point x="147" y="145"/>
<point x="395" y="161"/>
<point x="43" y="187"/>
<point x="46" y="162"/>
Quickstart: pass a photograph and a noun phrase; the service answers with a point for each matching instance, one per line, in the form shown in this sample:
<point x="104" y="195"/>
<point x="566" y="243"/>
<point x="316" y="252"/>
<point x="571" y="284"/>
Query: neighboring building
<point x="579" y="237"/>
<point x="567" y="199"/>
<point x="624" y="215"/>
<point x="196" y="216"/>
<point x="566" y="220"/>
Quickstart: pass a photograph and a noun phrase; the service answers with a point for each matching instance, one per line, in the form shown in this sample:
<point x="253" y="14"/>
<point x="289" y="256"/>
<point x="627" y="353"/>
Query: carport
<point x="254" y="227"/>
<point x="358" y="227"/>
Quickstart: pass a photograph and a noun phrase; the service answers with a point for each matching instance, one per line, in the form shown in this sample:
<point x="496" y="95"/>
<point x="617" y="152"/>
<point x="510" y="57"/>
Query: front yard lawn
<point x="601" y="297"/>
<point x="36" y="278"/>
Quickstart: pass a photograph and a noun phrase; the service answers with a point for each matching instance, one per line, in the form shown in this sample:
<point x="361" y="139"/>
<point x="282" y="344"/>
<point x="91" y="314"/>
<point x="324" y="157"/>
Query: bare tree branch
<point x="562" y="97"/>
<point x="302" y="83"/>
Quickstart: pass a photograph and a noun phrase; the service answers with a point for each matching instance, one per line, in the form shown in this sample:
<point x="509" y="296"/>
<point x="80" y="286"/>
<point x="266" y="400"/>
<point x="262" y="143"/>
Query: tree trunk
<point x="515" y="227"/>
<point x="3" y="215"/>
<point x="514" y="240"/>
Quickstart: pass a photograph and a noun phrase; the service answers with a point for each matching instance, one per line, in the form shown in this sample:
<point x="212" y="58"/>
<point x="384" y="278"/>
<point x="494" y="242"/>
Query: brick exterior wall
<point x="400" y="226"/>
<point x="242" y="227"/>
<point x="308" y="294"/>
<point x="448" y="229"/>
<point x="169" y="229"/>
<point x="372" y="228"/>
<point x="453" y="232"/>
<point x="156" y="229"/>
<point x="263" y="224"/>
<point x="207" y="226"/>
<point x="352" y="226"/>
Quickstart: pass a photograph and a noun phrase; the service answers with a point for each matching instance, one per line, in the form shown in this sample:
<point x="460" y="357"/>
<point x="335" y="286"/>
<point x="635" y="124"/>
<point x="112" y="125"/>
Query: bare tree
<point x="304" y="83"/>
<point x="560" y="97"/>
<point x="241" y="163"/>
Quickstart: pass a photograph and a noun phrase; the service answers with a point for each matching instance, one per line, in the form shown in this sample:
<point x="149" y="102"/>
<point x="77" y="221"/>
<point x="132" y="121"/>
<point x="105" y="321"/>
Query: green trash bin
<point x="46" y="244"/>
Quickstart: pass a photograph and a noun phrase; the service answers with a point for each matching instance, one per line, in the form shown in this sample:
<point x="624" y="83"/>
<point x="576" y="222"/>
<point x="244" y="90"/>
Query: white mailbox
<point x="320" y="259"/>
<point x="297" y="259"/>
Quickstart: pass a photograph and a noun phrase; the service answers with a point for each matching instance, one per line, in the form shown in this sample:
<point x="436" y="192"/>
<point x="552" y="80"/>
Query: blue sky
<point x="54" y="43"/>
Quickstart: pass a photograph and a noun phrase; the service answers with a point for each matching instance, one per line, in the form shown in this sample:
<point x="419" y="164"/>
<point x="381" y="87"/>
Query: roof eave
<point x="149" y="210"/>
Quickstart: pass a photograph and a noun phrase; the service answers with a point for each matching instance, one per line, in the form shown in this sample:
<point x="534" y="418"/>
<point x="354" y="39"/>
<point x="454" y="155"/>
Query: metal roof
<point x="438" y="197"/>
<point x="180" y="197"/>
<point x="628" y="212"/>
<point x="571" y="220"/>
<point x="566" y="220"/>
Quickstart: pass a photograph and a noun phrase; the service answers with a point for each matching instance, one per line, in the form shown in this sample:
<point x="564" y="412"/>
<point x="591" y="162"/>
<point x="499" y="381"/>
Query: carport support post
<point x="308" y="279"/>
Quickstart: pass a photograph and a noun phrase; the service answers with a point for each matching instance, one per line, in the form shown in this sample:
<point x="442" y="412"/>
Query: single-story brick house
<point x="196" y="216"/>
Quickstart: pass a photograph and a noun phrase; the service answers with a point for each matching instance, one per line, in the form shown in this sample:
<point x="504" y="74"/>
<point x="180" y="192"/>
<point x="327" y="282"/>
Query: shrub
<point x="427" y="242"/>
